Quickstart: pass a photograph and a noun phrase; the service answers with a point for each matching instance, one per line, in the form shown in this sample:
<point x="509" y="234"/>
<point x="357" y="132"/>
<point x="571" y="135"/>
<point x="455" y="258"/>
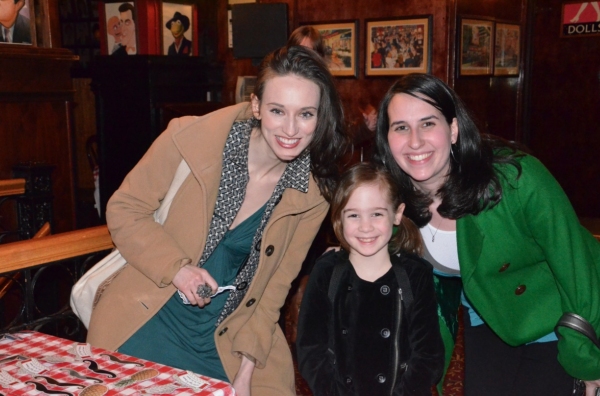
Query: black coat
<point x="361" y="358"/>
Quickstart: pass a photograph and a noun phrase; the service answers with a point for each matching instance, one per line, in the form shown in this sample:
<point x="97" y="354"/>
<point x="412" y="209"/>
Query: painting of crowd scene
<point x="340" y="46"/>
<point x="399" y="46"/>
<point x="506" y="53"/>
<point x="476" y="47"/>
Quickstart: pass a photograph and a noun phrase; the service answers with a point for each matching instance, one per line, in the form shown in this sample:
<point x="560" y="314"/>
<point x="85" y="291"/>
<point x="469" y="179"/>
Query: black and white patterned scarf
<point x="232" y="189"/>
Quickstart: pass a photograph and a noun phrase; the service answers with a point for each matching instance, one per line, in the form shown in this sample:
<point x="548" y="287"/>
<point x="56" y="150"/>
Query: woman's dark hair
<point x="407" y="237"/>
<point x="329" y="141"/>
<point x="472" y="184"/>
<point x="311" y="33"/>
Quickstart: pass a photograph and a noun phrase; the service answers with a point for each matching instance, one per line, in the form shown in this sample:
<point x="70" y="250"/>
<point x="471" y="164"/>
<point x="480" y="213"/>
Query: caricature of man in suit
<point x="178" y="25"/>
<point x="14" y="27"/>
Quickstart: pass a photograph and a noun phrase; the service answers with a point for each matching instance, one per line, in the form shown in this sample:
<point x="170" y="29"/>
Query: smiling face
<point x="177" y="28"/>
<point x="420" y="140"/>
<point x="127" y="28"/>
<point x="368" y="219"/>
<point x="288" y="115"/>
<point x="113" y="27"/>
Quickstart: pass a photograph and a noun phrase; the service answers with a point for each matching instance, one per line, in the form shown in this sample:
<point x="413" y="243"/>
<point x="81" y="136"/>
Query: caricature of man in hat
<point x="178" y="25"/>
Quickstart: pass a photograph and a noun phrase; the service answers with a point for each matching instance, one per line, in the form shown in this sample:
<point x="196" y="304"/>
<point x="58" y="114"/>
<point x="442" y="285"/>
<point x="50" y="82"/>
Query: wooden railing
<point x="36" y="277"/>
<point x="12" y="187"/>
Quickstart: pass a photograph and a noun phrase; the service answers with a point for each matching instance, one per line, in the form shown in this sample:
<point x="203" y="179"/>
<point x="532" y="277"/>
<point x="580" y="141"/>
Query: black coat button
<point x="223" y="331"/>
<point x="381" y="378"/>
<point x="251" y="302"/>
<point x="504" y="267"/>
<point x="385" y="333"/>
<point x="242" y="285"/>
<point x="385" y="290"/>
<point x="257" y="246"/>
<point x="349" y="287"/>
<point x="520" y="290"/>
<point x="270" y="250"/>
<point x="348" y="380"/>
<point x="344" y="331"/>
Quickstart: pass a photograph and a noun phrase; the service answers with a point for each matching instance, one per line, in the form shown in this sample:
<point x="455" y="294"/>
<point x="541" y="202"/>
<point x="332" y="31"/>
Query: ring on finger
<point x="204" y="291"/>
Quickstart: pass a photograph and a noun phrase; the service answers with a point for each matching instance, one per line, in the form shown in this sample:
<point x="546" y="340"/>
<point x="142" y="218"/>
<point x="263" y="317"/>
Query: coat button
<point x="504" y="267"/>
<point x="223" y="331"/>
<point x="270" y="250"/>
<point x="520" y="290"/>
<point x="348" y="380"/>
<point x="242" y="285"/>
<point x="385" y="333"/>
<point x="251" y="302"/>
<point x="349" y="287"/>
<point x="381" y="378"/>
<point x="344" y="331"/>
<point x="385" y="290"/>
<point x="257" y="246"/>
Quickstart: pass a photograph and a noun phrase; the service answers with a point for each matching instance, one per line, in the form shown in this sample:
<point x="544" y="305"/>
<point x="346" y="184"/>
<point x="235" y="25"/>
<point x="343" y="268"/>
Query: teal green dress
<point x="182" y="336"/>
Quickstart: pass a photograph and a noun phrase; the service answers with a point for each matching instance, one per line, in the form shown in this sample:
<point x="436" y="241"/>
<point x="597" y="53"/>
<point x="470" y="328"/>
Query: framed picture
<point x="19" y="18"/>
<point x="178" y="30"/>
<point x="121" y="30"/>
<point x="476" y="56"/>
<point x="341" y="45"/>
<point x="580" y="19"/>
<point x="398" y="46"/>
<point x="507" y="49"/>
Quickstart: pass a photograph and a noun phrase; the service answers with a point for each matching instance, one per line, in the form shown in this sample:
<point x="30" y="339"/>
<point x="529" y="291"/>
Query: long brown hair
<point x="407" y="237"/>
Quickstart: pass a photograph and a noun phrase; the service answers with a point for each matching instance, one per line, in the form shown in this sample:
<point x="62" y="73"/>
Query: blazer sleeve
<point x="130" y="211"/>
<point x="256" y="337"/>
<point x="315" y="360"/>
<point x="573" y="256"/>
<point x="426" y="362"/>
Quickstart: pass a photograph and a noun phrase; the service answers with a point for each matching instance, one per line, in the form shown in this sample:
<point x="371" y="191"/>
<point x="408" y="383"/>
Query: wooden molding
<point x="25" y="254"/>
<point x="12" y="187"/>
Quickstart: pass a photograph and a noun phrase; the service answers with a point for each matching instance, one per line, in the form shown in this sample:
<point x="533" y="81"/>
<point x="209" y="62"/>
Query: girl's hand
<point x="243" y="379"/>
<point x="189" y="278"/>
<point x="591" y="386"/>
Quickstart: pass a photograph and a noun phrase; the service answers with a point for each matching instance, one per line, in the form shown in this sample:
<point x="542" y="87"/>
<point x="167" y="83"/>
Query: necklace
<point x="436" y="230"/>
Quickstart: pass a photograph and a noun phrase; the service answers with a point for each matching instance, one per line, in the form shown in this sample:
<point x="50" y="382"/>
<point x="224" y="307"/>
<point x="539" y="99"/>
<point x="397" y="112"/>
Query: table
<point x="33" y="363"/>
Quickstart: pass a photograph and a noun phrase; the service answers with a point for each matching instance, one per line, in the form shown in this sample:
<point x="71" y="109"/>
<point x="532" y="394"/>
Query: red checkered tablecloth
<point x="33" y="363"/>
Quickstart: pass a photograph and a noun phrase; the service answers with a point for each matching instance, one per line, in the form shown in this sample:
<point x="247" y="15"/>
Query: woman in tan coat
<point x="261" y="174"/>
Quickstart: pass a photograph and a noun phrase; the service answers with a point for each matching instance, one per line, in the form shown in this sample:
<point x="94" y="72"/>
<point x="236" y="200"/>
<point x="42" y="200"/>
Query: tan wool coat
<point x="155" y="253"/>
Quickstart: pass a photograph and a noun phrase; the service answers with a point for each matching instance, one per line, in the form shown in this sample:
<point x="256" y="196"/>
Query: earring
<point x="452" y="153"/>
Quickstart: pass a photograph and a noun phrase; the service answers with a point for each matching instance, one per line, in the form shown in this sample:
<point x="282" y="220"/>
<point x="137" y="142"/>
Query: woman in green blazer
<point x="496" y="219"/>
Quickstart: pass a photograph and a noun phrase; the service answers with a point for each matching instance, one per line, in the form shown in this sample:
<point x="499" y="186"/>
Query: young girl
<point x="368" y="321"/>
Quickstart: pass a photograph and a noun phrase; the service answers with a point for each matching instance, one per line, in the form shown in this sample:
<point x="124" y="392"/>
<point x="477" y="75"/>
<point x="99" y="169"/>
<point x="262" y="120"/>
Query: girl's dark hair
<point x="313" y="34"/>
<point x="472" y="184"/>
<point x="407" y="237"/>
<point x="329" y="141"/>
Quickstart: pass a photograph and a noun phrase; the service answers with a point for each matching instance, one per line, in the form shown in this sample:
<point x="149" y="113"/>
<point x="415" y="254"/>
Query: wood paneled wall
<point x="355" y="92"/>
<point x="36" y="94"/>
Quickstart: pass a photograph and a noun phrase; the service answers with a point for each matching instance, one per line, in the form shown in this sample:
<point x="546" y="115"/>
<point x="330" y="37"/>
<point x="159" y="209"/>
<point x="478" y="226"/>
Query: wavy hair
<point x="472" y="184"/>
<point x="329" y="140"/>
<point x="407" y="237"/>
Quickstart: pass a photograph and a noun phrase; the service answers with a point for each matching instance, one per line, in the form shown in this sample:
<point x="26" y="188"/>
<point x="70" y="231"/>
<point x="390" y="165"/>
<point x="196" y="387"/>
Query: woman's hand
<point x="591" y="386"/>
<point x="243" y="379"/>
<point x="189" y="278"/>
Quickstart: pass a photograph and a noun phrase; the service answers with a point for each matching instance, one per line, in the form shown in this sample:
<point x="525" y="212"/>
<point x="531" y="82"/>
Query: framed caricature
<point x="121" y="30"/>
<point x="476" y="55"/>
<point x="177" y="29"/>
<point x="398" y="46"/>
<point x="507" y="49"/>
<point x="17" y="22"/>
<point x="341" y="44"/>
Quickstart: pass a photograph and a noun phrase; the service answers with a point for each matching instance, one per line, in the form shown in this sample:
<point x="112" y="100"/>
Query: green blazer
<point x="527" y="260"/>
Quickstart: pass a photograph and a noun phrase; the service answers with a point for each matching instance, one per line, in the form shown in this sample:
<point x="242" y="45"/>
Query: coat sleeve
<point x="315" y="361"/>
<point x="130" y="211"/>
<point x="255" y="338"/>
<point x="573" y="256"/>
<point x="426" y="361"/>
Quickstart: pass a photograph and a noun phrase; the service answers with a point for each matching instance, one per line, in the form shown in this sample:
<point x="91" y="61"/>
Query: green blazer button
<point x="520" y="290"/>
